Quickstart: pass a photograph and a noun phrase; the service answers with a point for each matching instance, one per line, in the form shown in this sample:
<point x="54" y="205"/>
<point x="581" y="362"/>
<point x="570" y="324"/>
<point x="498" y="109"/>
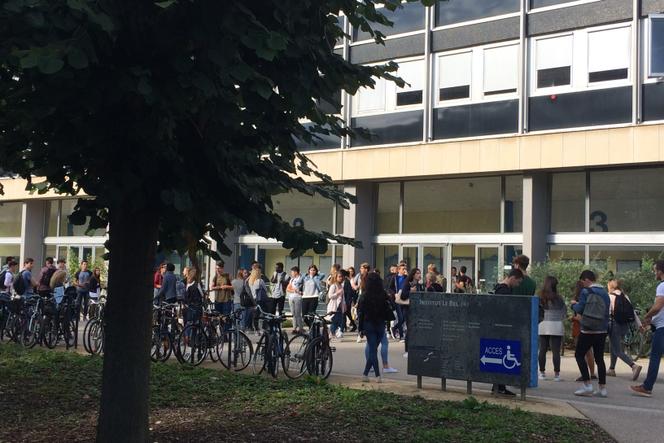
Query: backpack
<point x="593" y="317"/>
<point x="3" y="275"/>
<point x="246" y="299"/>
<point x="623" y="311"/>
<point x="19" y="284"/>
<point x="45" y="279"/>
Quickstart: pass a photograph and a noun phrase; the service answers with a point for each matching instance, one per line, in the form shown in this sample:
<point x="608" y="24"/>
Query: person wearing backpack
<point x="24" y="284"/>
<point x="44" y="287"/>
<point x="6" y="279"/>
<point x="593" y="305"/>
<point x="622" y="314"/>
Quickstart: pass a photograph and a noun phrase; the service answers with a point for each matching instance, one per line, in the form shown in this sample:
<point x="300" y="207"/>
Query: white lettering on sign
<point x="494" y="351"/>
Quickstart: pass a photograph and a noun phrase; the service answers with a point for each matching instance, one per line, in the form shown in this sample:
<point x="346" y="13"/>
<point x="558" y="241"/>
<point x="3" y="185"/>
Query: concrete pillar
<point x="535" y="215"/>
<point x="32" y="231"/>
<point x="358" y="224"/>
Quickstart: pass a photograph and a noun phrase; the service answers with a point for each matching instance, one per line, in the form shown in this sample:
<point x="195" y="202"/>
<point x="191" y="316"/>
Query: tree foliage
<point x="187" y="108"/>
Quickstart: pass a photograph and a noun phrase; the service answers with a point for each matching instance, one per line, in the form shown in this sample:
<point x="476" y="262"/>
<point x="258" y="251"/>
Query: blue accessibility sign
<point x="501" y="356"/>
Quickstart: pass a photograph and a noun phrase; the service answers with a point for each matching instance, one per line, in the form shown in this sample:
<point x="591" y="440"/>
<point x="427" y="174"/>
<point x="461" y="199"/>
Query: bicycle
<point x="212" y="324"/>
<point x="272" y="345"/>
<point x="166" y="330"/>
<point x="312" y="352"/>
<point x="192" y="343"/>
<point x="235" y="349"/>
<point x="62" y="324"/>
<point x="93" y="333"/>
<point x="33" y="316"/>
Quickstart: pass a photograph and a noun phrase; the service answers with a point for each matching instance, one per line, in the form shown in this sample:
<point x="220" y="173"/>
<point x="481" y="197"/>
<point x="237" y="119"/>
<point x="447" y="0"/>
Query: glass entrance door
<point x="487" y="265"/>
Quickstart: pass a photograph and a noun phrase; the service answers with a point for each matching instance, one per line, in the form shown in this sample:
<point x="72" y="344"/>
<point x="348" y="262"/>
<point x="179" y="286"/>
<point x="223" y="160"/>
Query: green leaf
<point x="144" y="86"/>
<point x="35" y="19"/>
<point x="30" y="60"/>
<point x="263" y="89"/>
<point x="77" y="58"/>
<point x="50" y="65"/>
<point x="166" y="4"/>
<point x="266" y="53"/>
<point x="277" y="41"/>
<point x="13" y="5"/>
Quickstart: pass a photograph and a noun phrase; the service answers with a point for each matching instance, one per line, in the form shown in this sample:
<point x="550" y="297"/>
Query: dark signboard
<point x="474" y="337"/>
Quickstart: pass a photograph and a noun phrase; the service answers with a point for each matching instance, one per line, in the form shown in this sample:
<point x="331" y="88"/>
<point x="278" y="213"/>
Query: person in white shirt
<point x="655" y="319"/>
<point x="294" y="291"/>
<point x="6" y="283"/>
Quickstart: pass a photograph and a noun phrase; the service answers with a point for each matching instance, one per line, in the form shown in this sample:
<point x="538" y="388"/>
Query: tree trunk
<point x="124" y="405"/>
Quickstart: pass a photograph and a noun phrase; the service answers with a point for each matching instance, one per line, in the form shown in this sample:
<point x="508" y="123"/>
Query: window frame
<point x="647" y="47"/>
<point x="353" y="42"/>
<point x="609" y="83"/>
<point x="558" y="6"/>
<point x="504" y="95"/>
<point x="390" y="93"/>
<point x="477" y="93"/>
<point x="536" y="91"/>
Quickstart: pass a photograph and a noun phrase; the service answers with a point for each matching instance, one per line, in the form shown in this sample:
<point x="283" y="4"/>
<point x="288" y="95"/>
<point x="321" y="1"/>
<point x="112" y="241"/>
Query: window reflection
<point x="457" y="11"/>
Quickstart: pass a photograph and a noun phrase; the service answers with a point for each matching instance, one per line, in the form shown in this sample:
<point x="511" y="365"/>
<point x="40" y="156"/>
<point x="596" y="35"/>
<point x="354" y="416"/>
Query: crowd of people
<point x="377" y="308"/>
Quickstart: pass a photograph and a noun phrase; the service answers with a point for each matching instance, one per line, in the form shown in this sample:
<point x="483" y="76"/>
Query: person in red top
<point x="158" y="279"/>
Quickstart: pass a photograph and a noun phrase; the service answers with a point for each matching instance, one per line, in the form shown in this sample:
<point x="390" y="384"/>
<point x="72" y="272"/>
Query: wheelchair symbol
<point x="509" y="360"/>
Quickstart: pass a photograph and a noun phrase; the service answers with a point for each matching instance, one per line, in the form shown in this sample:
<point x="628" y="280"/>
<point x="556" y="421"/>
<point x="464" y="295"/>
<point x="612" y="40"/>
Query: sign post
<point x="473" y="337"/>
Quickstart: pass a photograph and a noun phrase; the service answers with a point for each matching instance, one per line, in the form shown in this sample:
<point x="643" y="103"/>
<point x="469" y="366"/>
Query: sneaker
<point x="390" y="370"/>
<point x="365" y="379"/>
<point x="542" y="376"/>
<point x="339" y="334"/>
<point x="593" y="377"/>
<point x="405" y="355"/>
<point x="611" y="372"/>
<point x="402" y="341"/>
<point x="557" y="378"/>
<point x="379" y="379"/>
<point x="636" y="371"/>
<point x="504" y="391"/>
<point x="601" y="392"/>
<point x="359" y="339"/>
<point x="586" y="390"/>
<point x="640" y="390"/>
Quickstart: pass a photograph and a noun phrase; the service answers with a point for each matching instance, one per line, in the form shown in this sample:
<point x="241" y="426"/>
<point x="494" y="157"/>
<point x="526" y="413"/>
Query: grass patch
<point x="53" y="396"/>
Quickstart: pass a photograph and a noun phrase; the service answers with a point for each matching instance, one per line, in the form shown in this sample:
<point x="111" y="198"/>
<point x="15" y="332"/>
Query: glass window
<point x="50" y="251"/>
<point x="554" y="61"/>
<point x="513" y="203"/>
<point x="386" y="256"/>
<point x="412" y="73"/>
<point x="466" y="205"/>
<point x="52" y="209"/>
<point x="11" y="216"/>
<point x="568" y="202"/>
<point x="627" y="200"/>
<point x="457" y="11"/>
<point x="455" y="72"/>
<point x="387" y="210"/>
<point x="501" y="70"/>
<point x="408" y="18"/>
<point x="567" y="253"/>
<point x="433" y="255"/>
<point x="410" y="256"/>
<point x="541" y="3"/>
<point x="340" y="220"/>
<point x="464" y="255"/>
<point x="246" y="255"/>
<point x="608" y="54"/>
<point x="619" y="259"/>
<point x="10" y="251"/>
<point x="69" y="230"/>
<point x="656" y="46"/>
<point x="313" y="213"/>
<point x="371" y="99"/>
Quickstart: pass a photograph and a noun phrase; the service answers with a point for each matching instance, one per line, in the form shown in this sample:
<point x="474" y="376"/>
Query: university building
<point x="532" y="126"/>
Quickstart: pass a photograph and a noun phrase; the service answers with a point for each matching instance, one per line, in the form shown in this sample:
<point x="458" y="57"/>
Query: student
<point x="223" y="291"/>
<point x="576" y="331"/>
<point x="464" y="284"/>
<point x="158" y="278"/>
<point x="26" y="274"/>
<point x="351" y="297"/>
<point x="238" y="286"/>
<point x="390" y="275"/>
<point x="279" y="282"/>
<point x="95" y="284"/>
<point x="59" y="280"/>
<point x="193" y="298"/>
<point x="7" y="275"/>
<point x="512" y="280"/>
<point x="44" y="287"/>
<point x="395" y="285"/>
<point x="336" y="304"/>
<point x="528" y="285"/>
<point x="294" y="292"/>
<point x="551" y="327"/>
<point x="453" y="275"/>
<point x="432" y="284"/>
<point x="5" y="265"/>
<point x="412" y="284"/>
<point x="373" y="311"/>
<point x="168" y="290"/>
<point x="442" y="281"/>
<point x="593" y="305"/>
<point x="311" y="290"/>
<point x="82" y="283"/>
<point x="655" y="319"/>
<point x="619" y="327"/>
<point x="258" y="291"/>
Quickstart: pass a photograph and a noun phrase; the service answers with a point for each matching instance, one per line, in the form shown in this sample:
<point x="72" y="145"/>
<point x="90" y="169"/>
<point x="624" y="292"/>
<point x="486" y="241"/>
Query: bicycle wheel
<point x="259" y="358"/>
<point x="193" y="345"/>
<point x="646" y="343"/>
<point x="272" y="356"/>
<point x="86" y="336"/>
<point x="49" y="332"/>
<point x="213" y="343"/>
<point x="96" y="337"/>
<point x="319" y="358"/>
<point x="293" y="361"/>
<point x="235" y="350"/>
<point x="161" y="349"/>
<point x="632" y="343"/>
<point x="30" y="333"/>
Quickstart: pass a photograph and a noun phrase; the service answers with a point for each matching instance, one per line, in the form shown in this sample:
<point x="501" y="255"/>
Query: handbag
<point x="246" y="299"/>
<point x="389" y="313"/>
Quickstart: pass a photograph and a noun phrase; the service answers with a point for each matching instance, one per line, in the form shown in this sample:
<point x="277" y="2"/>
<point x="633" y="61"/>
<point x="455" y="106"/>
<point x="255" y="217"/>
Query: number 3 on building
<point x="598" y="221"/>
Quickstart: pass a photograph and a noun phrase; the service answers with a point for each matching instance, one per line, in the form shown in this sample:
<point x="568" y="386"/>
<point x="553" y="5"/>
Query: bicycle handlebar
<point x="267" y="315"/>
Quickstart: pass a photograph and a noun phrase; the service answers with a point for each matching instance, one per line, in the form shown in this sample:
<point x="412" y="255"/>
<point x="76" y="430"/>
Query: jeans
<point x="295" y="303"/>
<point x="265" y="307"/>
<point x="384" y="343"/>
<point x="337" y="322"/>
<point x="278" y="305"/>
<point x="596" y="342"/>
<point x="399" y="325"/>
<point x="224" y="308"/>
<point x="349" y="315"/>
<point x="547" y="342"/>
<point x="309" y="306"/>
<point x="655" y="356"/>
<point x="248" y="318"/>
<point x="404" y="313"/>
<point x="374" y="333"/>
<point x="616" y="334"/>
<point x="83" y="300"/>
